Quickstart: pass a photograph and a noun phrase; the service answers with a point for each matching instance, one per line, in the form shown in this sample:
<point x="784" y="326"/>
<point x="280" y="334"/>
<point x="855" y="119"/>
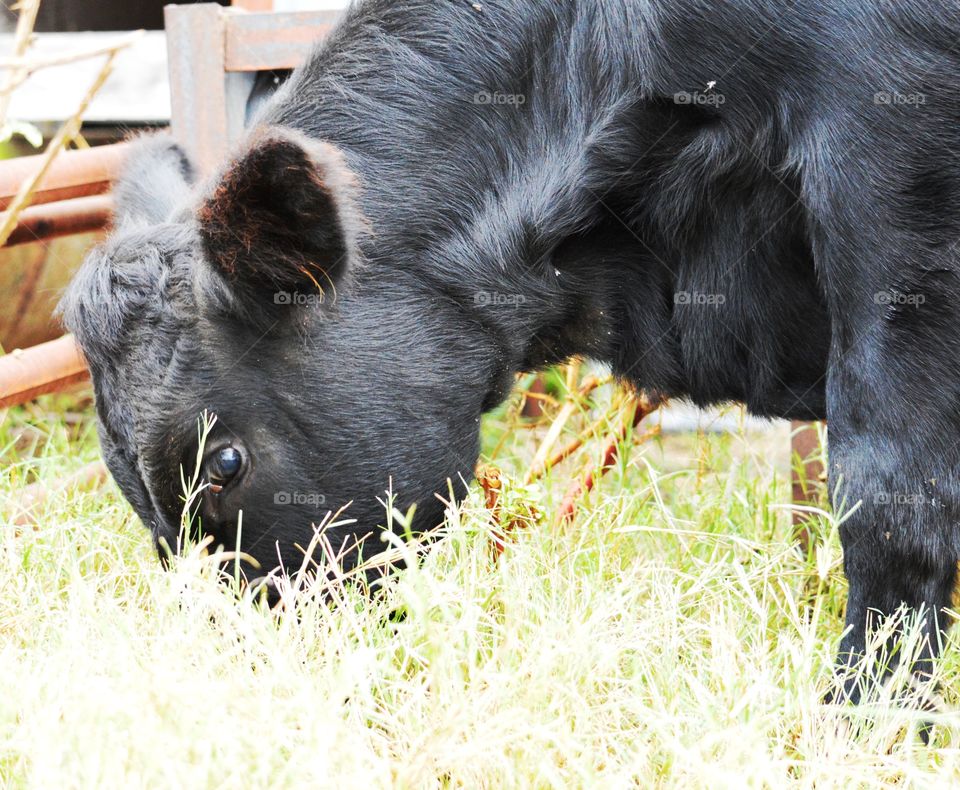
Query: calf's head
<point x="246" y="299"/>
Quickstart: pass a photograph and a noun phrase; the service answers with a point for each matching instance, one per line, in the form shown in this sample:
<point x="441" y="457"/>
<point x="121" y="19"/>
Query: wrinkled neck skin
<point x="540" y="312"/>
<point x="525" y="310"/>
<point x="520" y="315"/>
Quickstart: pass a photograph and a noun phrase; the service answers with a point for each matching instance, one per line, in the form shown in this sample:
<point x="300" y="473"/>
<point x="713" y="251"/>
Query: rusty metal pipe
<point x="48" y="367"/>
<point x="63" y="218"/>
<point x="73" y="174"/>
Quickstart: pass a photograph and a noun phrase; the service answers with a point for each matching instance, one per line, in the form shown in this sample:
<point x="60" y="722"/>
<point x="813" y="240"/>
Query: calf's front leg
<point x="893" y="405"/>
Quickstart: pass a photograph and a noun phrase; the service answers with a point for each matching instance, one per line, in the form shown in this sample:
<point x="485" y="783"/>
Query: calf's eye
<point x="222" y="466"/>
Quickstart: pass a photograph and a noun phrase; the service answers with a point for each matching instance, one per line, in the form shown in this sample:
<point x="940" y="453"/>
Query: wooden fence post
<point x="806" y="466"/>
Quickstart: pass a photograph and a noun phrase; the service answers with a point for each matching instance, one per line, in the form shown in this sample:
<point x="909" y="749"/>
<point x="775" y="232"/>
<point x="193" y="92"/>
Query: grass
<point x="673" y="635"/>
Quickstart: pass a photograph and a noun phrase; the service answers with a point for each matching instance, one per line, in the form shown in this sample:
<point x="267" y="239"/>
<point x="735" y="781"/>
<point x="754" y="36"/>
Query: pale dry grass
<point x="671" y="636"/>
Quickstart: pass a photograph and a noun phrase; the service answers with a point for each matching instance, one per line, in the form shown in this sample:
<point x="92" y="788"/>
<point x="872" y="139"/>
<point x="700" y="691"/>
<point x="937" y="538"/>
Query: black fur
<point x="754" y="201"/>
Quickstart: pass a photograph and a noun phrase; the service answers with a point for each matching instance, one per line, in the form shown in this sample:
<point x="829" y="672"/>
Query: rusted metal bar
<point x="48" y="367"/>
<point x="73" y="174"/>
<point x="262" y="42"/>
<point x="63" y="218"/>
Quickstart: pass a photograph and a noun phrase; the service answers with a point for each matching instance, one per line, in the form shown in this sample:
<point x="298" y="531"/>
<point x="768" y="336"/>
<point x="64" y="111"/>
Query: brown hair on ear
<point x="281" y="216"/>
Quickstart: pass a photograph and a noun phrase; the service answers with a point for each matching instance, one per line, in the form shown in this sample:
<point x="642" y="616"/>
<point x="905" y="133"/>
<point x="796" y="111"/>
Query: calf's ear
<point x="153" y="183"/>
<point x="281" y="217"/>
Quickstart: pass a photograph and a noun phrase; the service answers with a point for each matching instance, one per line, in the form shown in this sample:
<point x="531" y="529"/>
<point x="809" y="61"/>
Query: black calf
<point x="753" y="201"/>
